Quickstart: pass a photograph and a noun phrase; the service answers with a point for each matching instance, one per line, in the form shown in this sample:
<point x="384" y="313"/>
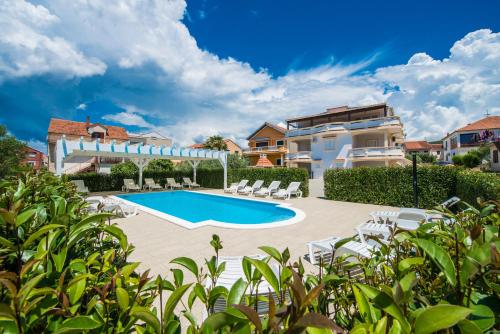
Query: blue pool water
<point x="198" y="207"/>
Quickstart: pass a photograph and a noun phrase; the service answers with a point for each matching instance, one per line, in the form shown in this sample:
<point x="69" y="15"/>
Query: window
<point x="329" y="143"/>
<point x="453" y="142"/>
<point x="280" y="142"/>
<point x="469" y="139"/>
<point x="32" y="155"/>
<point x="261" y="144"/>
<point x="495" y="156"/>
<point x="96" y="135"/>
<point x="278" y="162"/>
<point x="371" y="143"/>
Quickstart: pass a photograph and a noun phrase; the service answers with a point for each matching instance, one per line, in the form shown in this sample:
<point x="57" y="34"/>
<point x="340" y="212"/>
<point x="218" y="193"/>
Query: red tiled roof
<point x="417" y="145"/>
<point x="490" y="122"/>
<point x="63" y="126"/>
<point x="264" y="162"/>
<point x="197" y="146"/>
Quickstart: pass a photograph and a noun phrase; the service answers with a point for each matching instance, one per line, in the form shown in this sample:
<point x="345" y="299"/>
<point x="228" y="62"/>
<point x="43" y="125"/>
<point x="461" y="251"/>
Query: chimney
<point x="87" y="121"/>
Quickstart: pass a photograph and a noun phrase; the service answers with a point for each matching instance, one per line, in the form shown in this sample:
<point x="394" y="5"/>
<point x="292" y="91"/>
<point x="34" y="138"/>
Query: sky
<point x="193" y="69"/>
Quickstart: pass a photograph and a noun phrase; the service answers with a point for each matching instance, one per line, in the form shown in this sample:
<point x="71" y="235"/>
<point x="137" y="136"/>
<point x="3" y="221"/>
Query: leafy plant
<point x="11" y="153"/>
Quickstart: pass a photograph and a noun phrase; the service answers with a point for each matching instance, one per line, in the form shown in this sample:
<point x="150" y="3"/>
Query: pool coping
<point x="299" y="215"/>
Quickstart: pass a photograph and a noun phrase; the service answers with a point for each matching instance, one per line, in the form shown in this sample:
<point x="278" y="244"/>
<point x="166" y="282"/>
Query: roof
<point x="66" y="127"/>
<point x="271" y="125"/>
<point x="232" y="141"/>
<point x="264" y="162"/>
<point x="487" y="123"/>
<point x="417" y="145"/>
<point x="148" y="135"/>
<point x="29" y="148"/>
<point x="337" y="110"/>
<point x="197" y="146"/>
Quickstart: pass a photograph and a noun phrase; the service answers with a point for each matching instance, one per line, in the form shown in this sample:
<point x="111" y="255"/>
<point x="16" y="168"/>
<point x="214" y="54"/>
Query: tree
<point x="159" y="165"/>
<point x="125" y="168"/>
<point x="427" y="158"/>
<point x="215" y="143"/>
<point x="12" y="153"/>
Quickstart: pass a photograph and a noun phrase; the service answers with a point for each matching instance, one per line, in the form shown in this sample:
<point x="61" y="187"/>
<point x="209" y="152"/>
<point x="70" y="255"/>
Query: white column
<point x="386" y="141"/>
<point x="194" y="164"/>
<point x="223" y="161"/>
<point x="140" y="163"/>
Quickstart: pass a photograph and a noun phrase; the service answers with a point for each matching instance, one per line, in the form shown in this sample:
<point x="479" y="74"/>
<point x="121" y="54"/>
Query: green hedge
<point x="471" y="184"/>
<point x="207" y="178"/>
<point x="285" y="175"/>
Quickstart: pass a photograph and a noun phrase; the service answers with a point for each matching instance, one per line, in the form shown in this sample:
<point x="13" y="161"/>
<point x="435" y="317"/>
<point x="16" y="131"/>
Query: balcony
<point x="265" y="149"/>
<point x="302" y="155"/>
<point x="376" y="152"/>
<point x="346" y="126"/>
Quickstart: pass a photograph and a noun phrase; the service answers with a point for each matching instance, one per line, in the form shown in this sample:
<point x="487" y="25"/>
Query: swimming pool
<point x="194" y="209"/>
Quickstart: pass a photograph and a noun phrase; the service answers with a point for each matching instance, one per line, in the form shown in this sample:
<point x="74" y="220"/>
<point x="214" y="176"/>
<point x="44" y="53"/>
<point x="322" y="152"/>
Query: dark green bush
<point x="471" y="159"/>
<point x="458" y="159"/>
<point x="394" y="185"/>
<point x="207" y="178"/>
<point x="470" y="185"/>
<point x="285" y="175"/>
<point x="114" y="182"/>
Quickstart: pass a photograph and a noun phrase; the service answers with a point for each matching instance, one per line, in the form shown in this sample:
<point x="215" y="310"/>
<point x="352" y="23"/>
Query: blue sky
<point x="190" y="70"/>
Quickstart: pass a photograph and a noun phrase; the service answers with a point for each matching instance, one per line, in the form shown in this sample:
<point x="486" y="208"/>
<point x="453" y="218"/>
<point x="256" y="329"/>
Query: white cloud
<point x="229" y="97"/>
<point x="26" y="50"/>
<point x="81" y="106"/>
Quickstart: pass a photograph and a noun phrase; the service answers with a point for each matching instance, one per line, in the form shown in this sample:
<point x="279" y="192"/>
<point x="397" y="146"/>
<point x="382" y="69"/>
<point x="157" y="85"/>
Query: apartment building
<point x="267" y="146"/>
<point x="34" y="158"/>
<point x="345" y="137"/>
<point x="471" y="136"/>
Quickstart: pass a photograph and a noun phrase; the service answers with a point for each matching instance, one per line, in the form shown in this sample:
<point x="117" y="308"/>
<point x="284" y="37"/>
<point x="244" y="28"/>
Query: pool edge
<point x="299" y="215"/>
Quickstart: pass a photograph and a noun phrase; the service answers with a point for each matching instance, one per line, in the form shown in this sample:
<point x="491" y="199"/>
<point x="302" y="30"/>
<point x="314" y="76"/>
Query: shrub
<point x="394" y="185"/>
<point x="458" y="159"/>
<point x="471" y="184"/>
<point x="207" y="178"/>
<point x="159" y="165"/>
<point x="127" y="168"/>
<point x="390" y="185"/>
<point x="471" y="159"/>
<point x="285" y="175"/>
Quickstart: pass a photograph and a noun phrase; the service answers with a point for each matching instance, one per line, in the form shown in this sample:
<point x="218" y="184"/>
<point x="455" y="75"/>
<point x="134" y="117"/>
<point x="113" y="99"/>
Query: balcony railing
<point x="302" y="155"/>
<point x="264" y="149"/>
<point x="369" y="152"/>
<point x="346" y="126"/>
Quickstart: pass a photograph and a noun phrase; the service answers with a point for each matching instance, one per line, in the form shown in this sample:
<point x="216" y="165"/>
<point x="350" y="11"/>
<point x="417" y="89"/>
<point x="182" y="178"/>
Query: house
<point x="34" y="158"/>
<point x="470" y="137"/>
<point x="267" y="146"/>
<point x="422" y="146"/>
<point x="345" y="137"/>
<point x="88" y="132"/>
<point x="150" y="138"/>
<point x="232" y="147"/>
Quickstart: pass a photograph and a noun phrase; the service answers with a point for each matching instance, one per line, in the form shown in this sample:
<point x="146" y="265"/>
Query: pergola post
<point x="194" y="164"/>
<point x="223" y="161"/>
<point x="140" y="163"/>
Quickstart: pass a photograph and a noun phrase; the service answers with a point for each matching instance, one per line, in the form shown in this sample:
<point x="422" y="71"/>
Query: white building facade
<point x="345" y="137"/>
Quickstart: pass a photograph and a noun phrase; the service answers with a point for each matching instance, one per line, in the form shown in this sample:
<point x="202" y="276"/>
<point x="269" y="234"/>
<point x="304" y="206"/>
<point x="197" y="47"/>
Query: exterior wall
<point x="34" y="158"/>
<point x="267" y="132"/>
<point x="449" y="149"/>
<point x="232" y="147"/>
<point x="374" y="139"/>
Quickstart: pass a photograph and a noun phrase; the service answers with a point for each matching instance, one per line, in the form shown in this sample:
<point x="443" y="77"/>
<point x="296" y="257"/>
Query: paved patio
<point x="157" y="241"/>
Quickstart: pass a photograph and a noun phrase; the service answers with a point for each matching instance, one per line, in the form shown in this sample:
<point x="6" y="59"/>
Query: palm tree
<point x="215" y="143"/>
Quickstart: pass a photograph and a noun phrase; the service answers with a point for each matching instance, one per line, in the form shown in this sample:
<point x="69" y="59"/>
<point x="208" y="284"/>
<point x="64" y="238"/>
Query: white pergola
<point x="140" y="154"/>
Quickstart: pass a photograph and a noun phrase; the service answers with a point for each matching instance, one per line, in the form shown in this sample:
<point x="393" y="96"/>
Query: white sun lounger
<point x="80" y="186"/>
<point x="151" y="184"/>
<point x="107" y="204"/>
<point x="129" y="184"/>
<point x="293" y="189"/>
<point x="234" y="187"/>
<point x="188" y="183"/>
<point x="249" y="190"/>
<point x="363" y="247"/>
<point x="234" y="271"/>
<point x="172" y="184"/>
<point x="268" y="191"/>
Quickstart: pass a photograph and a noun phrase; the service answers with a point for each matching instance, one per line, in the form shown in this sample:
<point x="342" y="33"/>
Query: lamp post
<point x="415" y="181"/>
